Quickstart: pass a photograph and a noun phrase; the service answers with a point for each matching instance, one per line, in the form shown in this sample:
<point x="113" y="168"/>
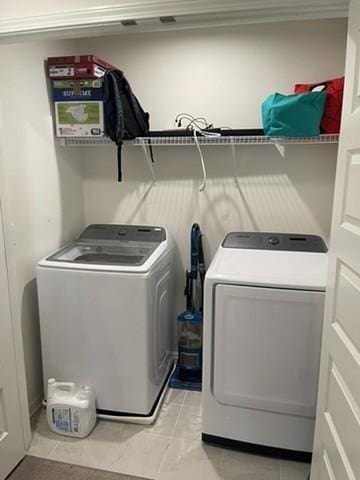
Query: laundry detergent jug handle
<point x="65" y="386"/>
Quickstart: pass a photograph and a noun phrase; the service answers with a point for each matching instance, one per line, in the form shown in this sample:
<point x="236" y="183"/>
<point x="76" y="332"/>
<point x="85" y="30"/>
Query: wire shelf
<point x="229" y="140"/>
<point x="203" y="140"/>
<point x="84" y="141"/>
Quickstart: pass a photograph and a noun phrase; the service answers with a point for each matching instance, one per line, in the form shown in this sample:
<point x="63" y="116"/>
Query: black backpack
<point x="124" y="117"/>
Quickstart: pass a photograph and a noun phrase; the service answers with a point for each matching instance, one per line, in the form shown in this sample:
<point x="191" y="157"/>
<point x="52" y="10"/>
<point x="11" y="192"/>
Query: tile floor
<point x="170" y="449"/>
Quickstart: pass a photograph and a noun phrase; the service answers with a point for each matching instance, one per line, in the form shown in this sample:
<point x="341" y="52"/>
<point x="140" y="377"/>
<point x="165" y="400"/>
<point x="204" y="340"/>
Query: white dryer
<point x="106" y="309"/>
<point x="264" y="299"/>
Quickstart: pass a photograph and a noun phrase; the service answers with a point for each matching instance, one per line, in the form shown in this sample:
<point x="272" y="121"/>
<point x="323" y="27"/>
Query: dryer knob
<point x="273" y="240"/>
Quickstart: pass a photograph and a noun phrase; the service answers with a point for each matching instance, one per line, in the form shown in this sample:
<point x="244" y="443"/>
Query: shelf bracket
<point x="148" y="159"/>
<point x="239" y="188"/>
<point x="280" y="148"/>
<point x="233" y="156"/>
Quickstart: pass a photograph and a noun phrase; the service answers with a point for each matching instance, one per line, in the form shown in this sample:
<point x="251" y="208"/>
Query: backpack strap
<point x="114" y="115"/>
<point x="119" y="146"/>
<point x="151" y="151"/>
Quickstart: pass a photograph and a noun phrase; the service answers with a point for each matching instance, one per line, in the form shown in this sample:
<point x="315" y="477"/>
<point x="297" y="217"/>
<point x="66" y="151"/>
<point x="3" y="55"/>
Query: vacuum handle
<point x="195" y="241"/>
<point x="197" y="267"/>
<point x="188" y="290"/>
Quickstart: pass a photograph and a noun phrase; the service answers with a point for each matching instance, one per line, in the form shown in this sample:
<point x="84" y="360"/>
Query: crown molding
<point x="188" y="14"/>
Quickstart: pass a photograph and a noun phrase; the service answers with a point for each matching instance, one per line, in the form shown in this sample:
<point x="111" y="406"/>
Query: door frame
<point x="105" y="20"/>
<point x="99" y="21"/>
<point x="10" y="259"/>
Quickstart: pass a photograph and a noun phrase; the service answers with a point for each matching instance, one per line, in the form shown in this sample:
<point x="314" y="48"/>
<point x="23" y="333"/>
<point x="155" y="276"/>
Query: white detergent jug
<point x="70" y="408"/>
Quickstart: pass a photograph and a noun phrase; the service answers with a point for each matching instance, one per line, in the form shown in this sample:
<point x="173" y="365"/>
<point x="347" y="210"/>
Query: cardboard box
<point x="79" y="119"/>
<point x="82" y="70"/>
<point x="66" y="90"/>
<point x="82" y="66"/>
<point x="74" y="59"/>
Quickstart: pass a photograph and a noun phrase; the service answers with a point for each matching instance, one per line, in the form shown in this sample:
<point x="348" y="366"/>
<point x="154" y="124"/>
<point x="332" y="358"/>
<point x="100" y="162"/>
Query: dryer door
<point x="267" y="348"/>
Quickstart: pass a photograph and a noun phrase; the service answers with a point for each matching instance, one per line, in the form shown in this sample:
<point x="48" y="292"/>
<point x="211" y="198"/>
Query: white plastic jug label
<point x="66" y="419"/>
<point x="76" y="424"/>
<point x="61" y="419"/>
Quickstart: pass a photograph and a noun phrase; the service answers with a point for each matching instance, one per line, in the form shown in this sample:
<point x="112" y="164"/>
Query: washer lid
<point x="105" y="253"/>
<point x="109" y="247"/>
<point x="269" y="268"/>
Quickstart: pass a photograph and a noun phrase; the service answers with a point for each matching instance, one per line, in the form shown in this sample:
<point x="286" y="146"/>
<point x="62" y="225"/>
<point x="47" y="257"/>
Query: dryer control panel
<point x="292" y="242"/>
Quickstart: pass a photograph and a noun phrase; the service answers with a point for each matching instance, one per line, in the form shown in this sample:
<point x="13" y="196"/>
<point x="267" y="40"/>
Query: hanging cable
<point x="203" y="185"/>
<point x="197" y="125"/>
<point x="200" y="122"/>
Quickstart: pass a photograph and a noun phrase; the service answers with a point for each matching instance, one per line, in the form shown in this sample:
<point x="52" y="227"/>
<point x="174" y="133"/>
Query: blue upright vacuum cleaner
<point x="188" y="372"/>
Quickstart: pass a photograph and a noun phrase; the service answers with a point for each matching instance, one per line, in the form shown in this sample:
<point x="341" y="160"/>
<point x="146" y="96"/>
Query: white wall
<point x="223" y="74"/>
<point x="42" y="197"/>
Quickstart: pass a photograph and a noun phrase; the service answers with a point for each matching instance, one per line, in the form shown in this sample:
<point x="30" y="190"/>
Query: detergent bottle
<point x="70" y="408"/>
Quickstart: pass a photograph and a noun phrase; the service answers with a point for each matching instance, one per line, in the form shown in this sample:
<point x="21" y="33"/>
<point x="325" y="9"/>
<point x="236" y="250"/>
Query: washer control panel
<point x="124" y="233"/>
<point x="292" y="242"/>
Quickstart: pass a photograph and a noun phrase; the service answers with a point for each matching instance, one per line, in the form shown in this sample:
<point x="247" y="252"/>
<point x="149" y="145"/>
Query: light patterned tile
<point x="164" y="424"/>
<point x="189" y="423"/>
<point x="36" y="417"/>
<point x="44" y="441"/>
<point x="42" y="446"/>
<point x="242" y="466"/>
<point x="193" y="399"/>
<point x="142" y="454"/>
<point x="174" y="395"/>
<point x="190" y="459"/>
<point x="294" y="470"/>
<point x="38" y="420"/>
<point x="100" y="450"/>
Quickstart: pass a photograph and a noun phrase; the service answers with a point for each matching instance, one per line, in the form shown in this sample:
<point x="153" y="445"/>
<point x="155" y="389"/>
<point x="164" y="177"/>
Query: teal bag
<point x="297" y="115"/>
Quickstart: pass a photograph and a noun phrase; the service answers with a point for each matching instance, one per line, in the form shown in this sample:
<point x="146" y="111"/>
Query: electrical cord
<point x="200" y="122"/>
<point x="195" y="122"/>
<point x="203" y="184"/>
<point x="198" y="125"/>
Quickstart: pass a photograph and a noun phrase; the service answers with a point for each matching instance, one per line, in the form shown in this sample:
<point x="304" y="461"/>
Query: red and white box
<point x="77" y="66"/>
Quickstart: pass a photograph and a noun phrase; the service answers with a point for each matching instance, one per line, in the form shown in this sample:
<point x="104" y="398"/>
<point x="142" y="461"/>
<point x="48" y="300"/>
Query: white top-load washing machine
<point x="264" y="299"/>
<point x="106" y="310"/>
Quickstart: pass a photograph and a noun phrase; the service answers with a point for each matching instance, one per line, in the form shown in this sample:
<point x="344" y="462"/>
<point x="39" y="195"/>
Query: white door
<point x="337" y="432"/>
<point x="11" y="435"/>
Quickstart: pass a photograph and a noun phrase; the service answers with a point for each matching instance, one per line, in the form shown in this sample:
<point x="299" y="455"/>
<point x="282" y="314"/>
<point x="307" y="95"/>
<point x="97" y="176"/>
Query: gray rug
<point x="34" y="468"/>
